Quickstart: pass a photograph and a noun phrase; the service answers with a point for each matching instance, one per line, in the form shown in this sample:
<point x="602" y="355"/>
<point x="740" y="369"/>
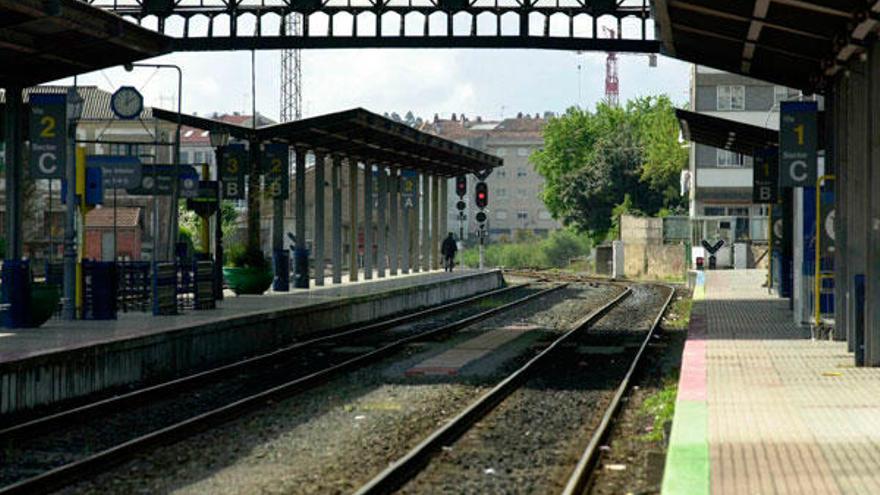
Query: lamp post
<point x="175" y="184"/>
<point x="74" y="112"/>
<point x="219" y="138"/>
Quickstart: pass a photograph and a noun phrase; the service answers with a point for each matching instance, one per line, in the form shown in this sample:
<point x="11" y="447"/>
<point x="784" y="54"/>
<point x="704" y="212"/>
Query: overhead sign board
<point x="765" y="176"/>
<point x="234" y="161"/>
<point x="48" y="135"/>
<point x="189" y="181"/>
<point x="276" y="164"/>
<point x="207" y="199"/>
<point x="158" y="180"/>
<point x="121" y="172"/>
<point x="798" y="140"/>
<point x="408" y="183"/>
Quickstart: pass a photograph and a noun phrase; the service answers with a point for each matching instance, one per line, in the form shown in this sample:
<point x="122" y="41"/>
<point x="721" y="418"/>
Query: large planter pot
<point x="248" y="280"/>
<point x="44" y="301"/>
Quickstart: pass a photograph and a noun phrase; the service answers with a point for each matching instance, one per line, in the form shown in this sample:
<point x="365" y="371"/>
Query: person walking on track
<point x="448" y="250"/>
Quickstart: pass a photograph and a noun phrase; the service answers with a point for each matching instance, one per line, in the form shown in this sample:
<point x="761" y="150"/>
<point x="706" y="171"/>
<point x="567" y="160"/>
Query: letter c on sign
<point x="795" y="174"/>
<point x="47" y="163"/>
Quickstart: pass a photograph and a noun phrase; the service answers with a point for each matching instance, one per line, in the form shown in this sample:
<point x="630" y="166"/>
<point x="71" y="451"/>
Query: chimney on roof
<point x="479" y="119"/>
<point x="436" y="117"/>
<point x="463" y="118"/>
<point x="236" y="114"/>
<point x="537" y="115"/>
<point x="548" y="115"/>
<point x="519" y="115"/>
<point x="454" y="118"/>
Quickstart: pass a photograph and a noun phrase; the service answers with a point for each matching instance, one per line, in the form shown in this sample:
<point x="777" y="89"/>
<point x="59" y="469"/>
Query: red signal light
<point x="482" y="194"/>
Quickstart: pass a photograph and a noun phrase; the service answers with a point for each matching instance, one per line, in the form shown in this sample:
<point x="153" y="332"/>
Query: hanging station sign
<point x="408" y="183"/>
<point x="798" y="141"/>
<point x="117" y="172"/>
<point x="233" y="170"/>
<point x="48" y="135"/>
<point x="276" y="164"/>
<point x="765" y="177"/>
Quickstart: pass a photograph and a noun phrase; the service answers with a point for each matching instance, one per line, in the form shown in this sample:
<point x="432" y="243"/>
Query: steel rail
<point x="584" y="468"/>
<point x="66" y="417"/>
<point x="101" y="461"/>
<point x="405" y="467"/>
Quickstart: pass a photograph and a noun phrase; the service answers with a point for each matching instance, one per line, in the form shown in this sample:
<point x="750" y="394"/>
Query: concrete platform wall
<point x="51" y="378"/>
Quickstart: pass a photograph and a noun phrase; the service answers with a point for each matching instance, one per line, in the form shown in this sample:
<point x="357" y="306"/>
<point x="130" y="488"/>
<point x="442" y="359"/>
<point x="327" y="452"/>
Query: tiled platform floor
<point x="780" y="413"/>
<point x="58" y="334"/>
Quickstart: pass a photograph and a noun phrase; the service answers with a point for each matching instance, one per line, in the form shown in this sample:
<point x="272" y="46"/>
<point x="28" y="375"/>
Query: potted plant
<point x="247" y="271"/>
<point x="44" y="302"/>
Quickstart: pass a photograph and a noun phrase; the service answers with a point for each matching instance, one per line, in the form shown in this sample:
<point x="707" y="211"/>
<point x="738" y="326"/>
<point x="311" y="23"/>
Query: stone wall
<point x="654" y="261"/>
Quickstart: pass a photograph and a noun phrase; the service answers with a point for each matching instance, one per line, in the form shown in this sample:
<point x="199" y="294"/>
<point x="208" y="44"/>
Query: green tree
<point x="592" y="160"/>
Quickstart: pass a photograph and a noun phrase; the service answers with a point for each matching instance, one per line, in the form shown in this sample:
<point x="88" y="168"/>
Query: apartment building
<point x="514" y="202"/>
<point x="721" y="180"/>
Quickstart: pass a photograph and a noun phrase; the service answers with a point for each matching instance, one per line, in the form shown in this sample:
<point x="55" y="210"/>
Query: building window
<point x="521" y="172"/>
<point x="731" y="97"/>
<point x="713" y="211"/>
<point x="521" y="193"/>
<point x="522" y="215"/>
<point x="500" y="173"/>
<point x="544" y="215"/>
<point x="501" y="192"/>
<point x="738" y="212"/>
<point x="199" y="157"/>
<point x="501" y="215"/>
<point x="522" y="152"/>
<point x="729" y="159"/>
<point x="780" y="94"/>
<point x="500" y="151"/>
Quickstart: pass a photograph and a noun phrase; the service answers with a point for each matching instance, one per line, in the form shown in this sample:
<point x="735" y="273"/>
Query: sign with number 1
<point x="797" y="144"/>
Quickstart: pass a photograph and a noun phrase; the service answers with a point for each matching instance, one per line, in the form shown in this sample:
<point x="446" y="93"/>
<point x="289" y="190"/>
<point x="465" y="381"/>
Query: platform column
<point x="414" y="229"/>
<point x="302" y="280"/>
<point x="444" y="208"/>
<point x="382" y="234"/>
<point x="368" y="221"/>
<point x="405" y="225"/>
<point x="14" y="168"/>
<point x="336" y="214"/>
<point x="353" y="219"/>
<point x="426" y="222"/>
<point x="435" y="223"/>
<point x="319" y="218"/>
<point x="872" y="224"/>
<point x="394" y="248"/>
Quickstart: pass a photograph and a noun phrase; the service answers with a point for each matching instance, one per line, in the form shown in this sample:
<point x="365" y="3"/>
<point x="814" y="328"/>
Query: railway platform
<point x="761" y="407"/>
<point x="64" y="360"/>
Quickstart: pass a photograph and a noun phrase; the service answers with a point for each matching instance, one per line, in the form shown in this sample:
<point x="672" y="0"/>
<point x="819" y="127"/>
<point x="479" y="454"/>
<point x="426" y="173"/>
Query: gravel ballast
<point x="334" y="438"/>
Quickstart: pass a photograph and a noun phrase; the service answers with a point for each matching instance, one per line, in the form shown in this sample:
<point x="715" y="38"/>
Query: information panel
<point x="234" y="165"/>
<point x="48" y="135"/>
<point x="276" y="163"/>
<point x="765" y="176"/>
<point x="798" y="139"/>
<point x="408" y="182"/>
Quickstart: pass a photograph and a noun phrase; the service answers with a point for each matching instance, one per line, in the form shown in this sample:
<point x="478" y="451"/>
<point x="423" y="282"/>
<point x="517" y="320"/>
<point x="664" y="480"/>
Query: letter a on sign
<point x="797" y="144"/>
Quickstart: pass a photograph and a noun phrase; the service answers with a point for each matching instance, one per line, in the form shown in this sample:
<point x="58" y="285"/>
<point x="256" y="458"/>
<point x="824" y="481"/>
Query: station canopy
<point x="725" y="133"/>
<point x="795" y="43"/>
<point x="360" y="134"/>
<point x="45" y="40"/>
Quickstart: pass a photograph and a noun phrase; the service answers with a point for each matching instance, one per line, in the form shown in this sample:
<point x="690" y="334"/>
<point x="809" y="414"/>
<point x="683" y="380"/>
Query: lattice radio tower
<point x="612" y="83"/>
<point x="291" y="72"/>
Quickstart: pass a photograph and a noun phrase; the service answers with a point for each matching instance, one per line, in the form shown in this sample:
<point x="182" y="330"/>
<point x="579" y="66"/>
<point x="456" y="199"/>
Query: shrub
<point x="240" y="257"/>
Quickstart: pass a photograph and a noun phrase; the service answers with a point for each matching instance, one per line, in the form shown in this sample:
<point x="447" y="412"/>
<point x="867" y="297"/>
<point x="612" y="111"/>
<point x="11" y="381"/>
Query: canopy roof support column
<point x="380" y="228"/>
<point x="335" y="170"/>
<point x="415" y="249"/>
<point x="444" y="208"/>
<point x="393" y="188"/>
<point x="14" y="166"/>
<point x="368" y="221"/>
<point x="353" y="219"/>
<point x="319" y="218"/>
<point x="406" y="227"/>
<point x="426" y="223"/>
<point x="435" y="223"/>
<point x="302" y="267"/>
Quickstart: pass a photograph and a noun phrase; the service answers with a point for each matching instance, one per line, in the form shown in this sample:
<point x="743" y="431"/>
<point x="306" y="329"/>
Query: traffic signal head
<point x="460" y="205"/>
<point x="482" y="194"/>
<point x="481" y="216"/>
<point x="461" y="185"/>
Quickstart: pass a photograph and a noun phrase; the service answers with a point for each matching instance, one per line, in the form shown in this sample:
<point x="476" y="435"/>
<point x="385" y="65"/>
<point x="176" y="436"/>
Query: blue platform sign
<point x="798" y="141"/>
<point x="118" y="172"/>
<point x="409" y="180"/>
<point x="765" y="177"/>
<point x="48" y="135"/>
<point x="276" y="164"/>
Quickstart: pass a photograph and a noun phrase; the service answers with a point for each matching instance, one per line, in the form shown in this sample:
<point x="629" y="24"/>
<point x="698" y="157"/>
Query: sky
<point x="491" y="83"/>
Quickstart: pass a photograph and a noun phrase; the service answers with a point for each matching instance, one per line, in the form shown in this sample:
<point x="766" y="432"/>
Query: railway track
<point x="543" y="413"/>
<point x="57" y="449"/>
